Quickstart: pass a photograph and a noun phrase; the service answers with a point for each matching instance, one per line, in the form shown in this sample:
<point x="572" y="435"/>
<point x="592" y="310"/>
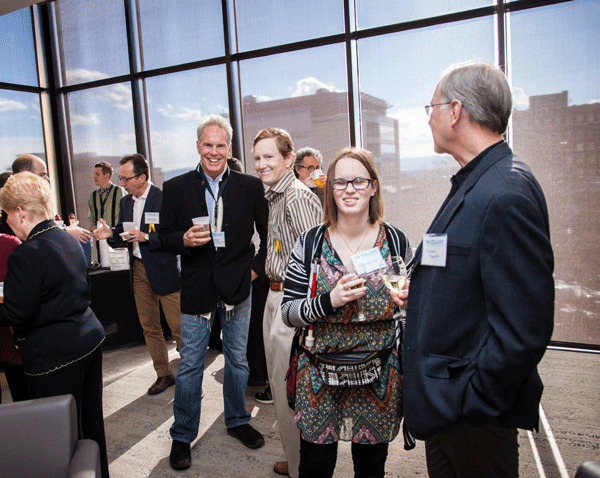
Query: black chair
<point x="589" y="469"/>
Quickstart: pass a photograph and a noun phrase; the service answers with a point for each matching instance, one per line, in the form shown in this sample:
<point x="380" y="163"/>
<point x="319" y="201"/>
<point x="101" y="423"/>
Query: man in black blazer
<point x="218" y="264"/>
<point x="154" y="271"/>
<point x="481" y="302"/>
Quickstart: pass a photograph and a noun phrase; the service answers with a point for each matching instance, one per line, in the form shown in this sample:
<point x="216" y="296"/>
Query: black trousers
<point x="83" y="380"/>
<point x="17" y="381"/>
<point x="468" y="451"/>
<point x="318" y="461"/>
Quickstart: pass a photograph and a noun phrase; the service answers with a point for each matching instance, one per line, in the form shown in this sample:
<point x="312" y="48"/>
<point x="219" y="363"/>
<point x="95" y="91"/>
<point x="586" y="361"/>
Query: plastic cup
<point x="315" y="175"/>
<point x="201" y="221"/>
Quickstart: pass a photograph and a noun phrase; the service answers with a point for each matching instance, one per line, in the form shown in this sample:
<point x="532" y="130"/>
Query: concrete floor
<point x="137" y="425"/>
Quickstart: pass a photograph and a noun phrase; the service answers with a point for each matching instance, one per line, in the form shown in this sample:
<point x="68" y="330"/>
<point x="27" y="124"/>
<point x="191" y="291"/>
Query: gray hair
<point x="483" y="91"/>
<point x="215" y="120"/>
<point x="304" y="152"/>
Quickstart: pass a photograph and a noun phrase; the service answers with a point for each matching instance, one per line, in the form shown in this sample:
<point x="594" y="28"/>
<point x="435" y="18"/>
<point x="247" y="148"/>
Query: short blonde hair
<point x="29" y="192"/>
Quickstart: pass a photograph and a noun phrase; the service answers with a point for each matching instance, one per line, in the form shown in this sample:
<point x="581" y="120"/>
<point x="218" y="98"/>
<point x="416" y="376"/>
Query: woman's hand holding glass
<point x="350" y="287"/>
<point x="395" y="277"/>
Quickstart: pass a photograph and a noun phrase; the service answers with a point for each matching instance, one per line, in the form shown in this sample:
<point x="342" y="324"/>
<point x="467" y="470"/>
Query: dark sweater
<point x="47" y="300"/>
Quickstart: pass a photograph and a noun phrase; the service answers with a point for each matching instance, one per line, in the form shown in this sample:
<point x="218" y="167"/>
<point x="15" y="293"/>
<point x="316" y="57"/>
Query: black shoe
<point x="264" y="397"/>
<point x="180" y="457"/>
<point x="247" y="435"/>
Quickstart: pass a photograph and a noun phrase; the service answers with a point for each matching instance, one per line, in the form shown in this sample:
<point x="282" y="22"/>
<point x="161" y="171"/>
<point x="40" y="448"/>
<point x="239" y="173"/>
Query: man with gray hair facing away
<point x="481" y="303"/>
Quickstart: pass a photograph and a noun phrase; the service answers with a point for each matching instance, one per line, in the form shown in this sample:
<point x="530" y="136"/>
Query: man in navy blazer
<point x="218" y="264"/>
<point x="481" y="298"/>
<point x="154" y="271"/>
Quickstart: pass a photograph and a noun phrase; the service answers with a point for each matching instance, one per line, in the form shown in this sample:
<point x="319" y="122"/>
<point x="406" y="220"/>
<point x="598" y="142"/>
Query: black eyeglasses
<point x="429" y="108"/>
<point x="357" y="183"/>
<point x="310" y="169"/>
<point x="121" y="178"/>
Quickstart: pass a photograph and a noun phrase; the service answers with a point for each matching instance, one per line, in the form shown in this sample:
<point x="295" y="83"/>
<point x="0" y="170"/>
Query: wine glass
<point x="394" y="275"/>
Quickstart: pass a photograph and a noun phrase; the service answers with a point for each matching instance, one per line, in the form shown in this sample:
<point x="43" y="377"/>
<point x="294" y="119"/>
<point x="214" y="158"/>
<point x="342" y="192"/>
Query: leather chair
<point x="589" y="469"/>
<point x="39" y="438"/>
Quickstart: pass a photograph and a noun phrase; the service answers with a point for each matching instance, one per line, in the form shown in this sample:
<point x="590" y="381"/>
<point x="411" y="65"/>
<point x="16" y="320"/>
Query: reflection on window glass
<point x="93" y="39"/>
<point x="388" y="12"/>
<point x="556" y="129"/>
<point x="17" y="51"/>
<point x="177" y="31"/>
<point x="398" y="76"/>
<point x="20" y="126"/>
<point x="176" y="104"/>
<point x="265" y="23"/>
<point x="102" y="129"/>
<point x="304" y="92"/>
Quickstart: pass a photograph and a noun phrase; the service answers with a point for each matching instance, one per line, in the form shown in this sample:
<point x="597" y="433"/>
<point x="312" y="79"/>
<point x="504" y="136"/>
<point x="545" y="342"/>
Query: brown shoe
<point x="161" y="384"/>
<point x="281" y="468"/>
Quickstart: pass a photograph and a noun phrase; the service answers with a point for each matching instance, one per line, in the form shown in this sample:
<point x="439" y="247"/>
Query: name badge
<point x="367" y="261"/>
<point x="218" y="239"/>
<point x="151" y="218"/>
<point x="434" y="250"/>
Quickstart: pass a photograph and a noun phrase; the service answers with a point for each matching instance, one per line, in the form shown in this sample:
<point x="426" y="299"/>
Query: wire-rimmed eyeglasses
<point x="429" y="108"/>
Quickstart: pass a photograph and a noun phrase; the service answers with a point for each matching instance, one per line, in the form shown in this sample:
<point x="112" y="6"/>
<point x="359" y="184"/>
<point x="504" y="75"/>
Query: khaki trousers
<point x="278" y="343"/>
<point x="147" y="304"/>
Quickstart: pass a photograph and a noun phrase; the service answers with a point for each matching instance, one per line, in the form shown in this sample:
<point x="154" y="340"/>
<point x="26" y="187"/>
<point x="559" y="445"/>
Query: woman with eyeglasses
<point x="340" y="311"/>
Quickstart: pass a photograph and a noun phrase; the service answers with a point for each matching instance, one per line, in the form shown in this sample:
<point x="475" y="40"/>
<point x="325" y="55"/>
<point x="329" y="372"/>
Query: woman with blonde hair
<point x="47" y="302"/>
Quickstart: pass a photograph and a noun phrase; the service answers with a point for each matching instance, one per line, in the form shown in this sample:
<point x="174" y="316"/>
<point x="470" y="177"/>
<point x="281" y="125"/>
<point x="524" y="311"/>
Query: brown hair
<point x="365" y="158"/>
<point x="105" y="167"/>
<point x="29" y="192"/>
<point x="283" y="140"/>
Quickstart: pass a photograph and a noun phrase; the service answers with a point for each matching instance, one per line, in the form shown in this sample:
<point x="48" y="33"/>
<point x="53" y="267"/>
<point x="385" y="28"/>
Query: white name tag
<point x="218" y="239"/>
<point x="434" y="250"/>
<point x="367" y="261"/>
<point x="152" y="218"/>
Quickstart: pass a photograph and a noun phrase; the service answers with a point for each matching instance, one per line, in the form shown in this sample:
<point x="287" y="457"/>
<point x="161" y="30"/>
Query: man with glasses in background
<point x="154" y="271"/>
<point x="307" y="161"/>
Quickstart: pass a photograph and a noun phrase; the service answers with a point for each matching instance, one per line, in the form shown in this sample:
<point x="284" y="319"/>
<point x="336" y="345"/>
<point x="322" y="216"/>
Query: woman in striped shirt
<point x="347" y="313"/>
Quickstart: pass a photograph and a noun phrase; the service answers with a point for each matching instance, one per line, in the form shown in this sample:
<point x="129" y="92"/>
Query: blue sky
<point x="552" y="49"/>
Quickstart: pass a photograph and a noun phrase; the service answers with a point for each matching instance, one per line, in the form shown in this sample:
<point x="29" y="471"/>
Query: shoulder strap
<point x="95" y="193"/>
<point x="392" y="233"/>
<point x="114" y="207"/>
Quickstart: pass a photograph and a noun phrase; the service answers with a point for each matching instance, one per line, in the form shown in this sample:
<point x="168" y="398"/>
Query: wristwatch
<point x="146" y="237"/>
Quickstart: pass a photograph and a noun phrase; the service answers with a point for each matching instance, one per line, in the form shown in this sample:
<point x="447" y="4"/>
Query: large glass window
<point x="387" y="12"/>
<point x="180" y="31"/>
<point x="20" y="126"/>
<point x="303" y="92"/>
<point x="398" y="75"/>
<point x="265" y="23"/>
<point x="555" y="70"/>
<point x="93" y="40"/>
<point x="101" y="130"/>
<point x="176" y="104"/>
<point x="17" y="51"/>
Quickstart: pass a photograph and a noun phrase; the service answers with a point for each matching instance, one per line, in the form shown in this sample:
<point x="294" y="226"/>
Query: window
<point x="93" y="40"/>
<point x="17" y="54"/>
<point x="176" y="104"/>
<point x="20" y="126"/>
<point x="555" y="67"/>
<point x="102" y="129"/>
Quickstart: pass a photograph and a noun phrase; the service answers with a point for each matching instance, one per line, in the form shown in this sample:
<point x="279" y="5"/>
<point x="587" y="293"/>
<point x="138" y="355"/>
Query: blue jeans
<point x="195" y="332"/>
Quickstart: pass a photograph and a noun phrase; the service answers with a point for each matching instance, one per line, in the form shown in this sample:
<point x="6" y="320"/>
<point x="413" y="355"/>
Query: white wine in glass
<point x="394" y="276"/>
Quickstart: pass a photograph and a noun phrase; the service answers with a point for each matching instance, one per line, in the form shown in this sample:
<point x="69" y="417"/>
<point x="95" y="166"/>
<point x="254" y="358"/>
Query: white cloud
<point x="185" y="113"/>
<point x="118" y="95"/>
<point x="80" y="120"/>
<point x="81" y="75"/>
<point x="11" y="105"/>
<point x="594" y="101"/>
<point x="308" y="86"/>
<point x="520" y="99"/>
<point x="414" y="132"/>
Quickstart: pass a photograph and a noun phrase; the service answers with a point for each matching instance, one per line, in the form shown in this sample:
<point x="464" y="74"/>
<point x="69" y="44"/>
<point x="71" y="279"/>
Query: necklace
<point x="361" y="242"/>
<point x="43" y="230"/>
